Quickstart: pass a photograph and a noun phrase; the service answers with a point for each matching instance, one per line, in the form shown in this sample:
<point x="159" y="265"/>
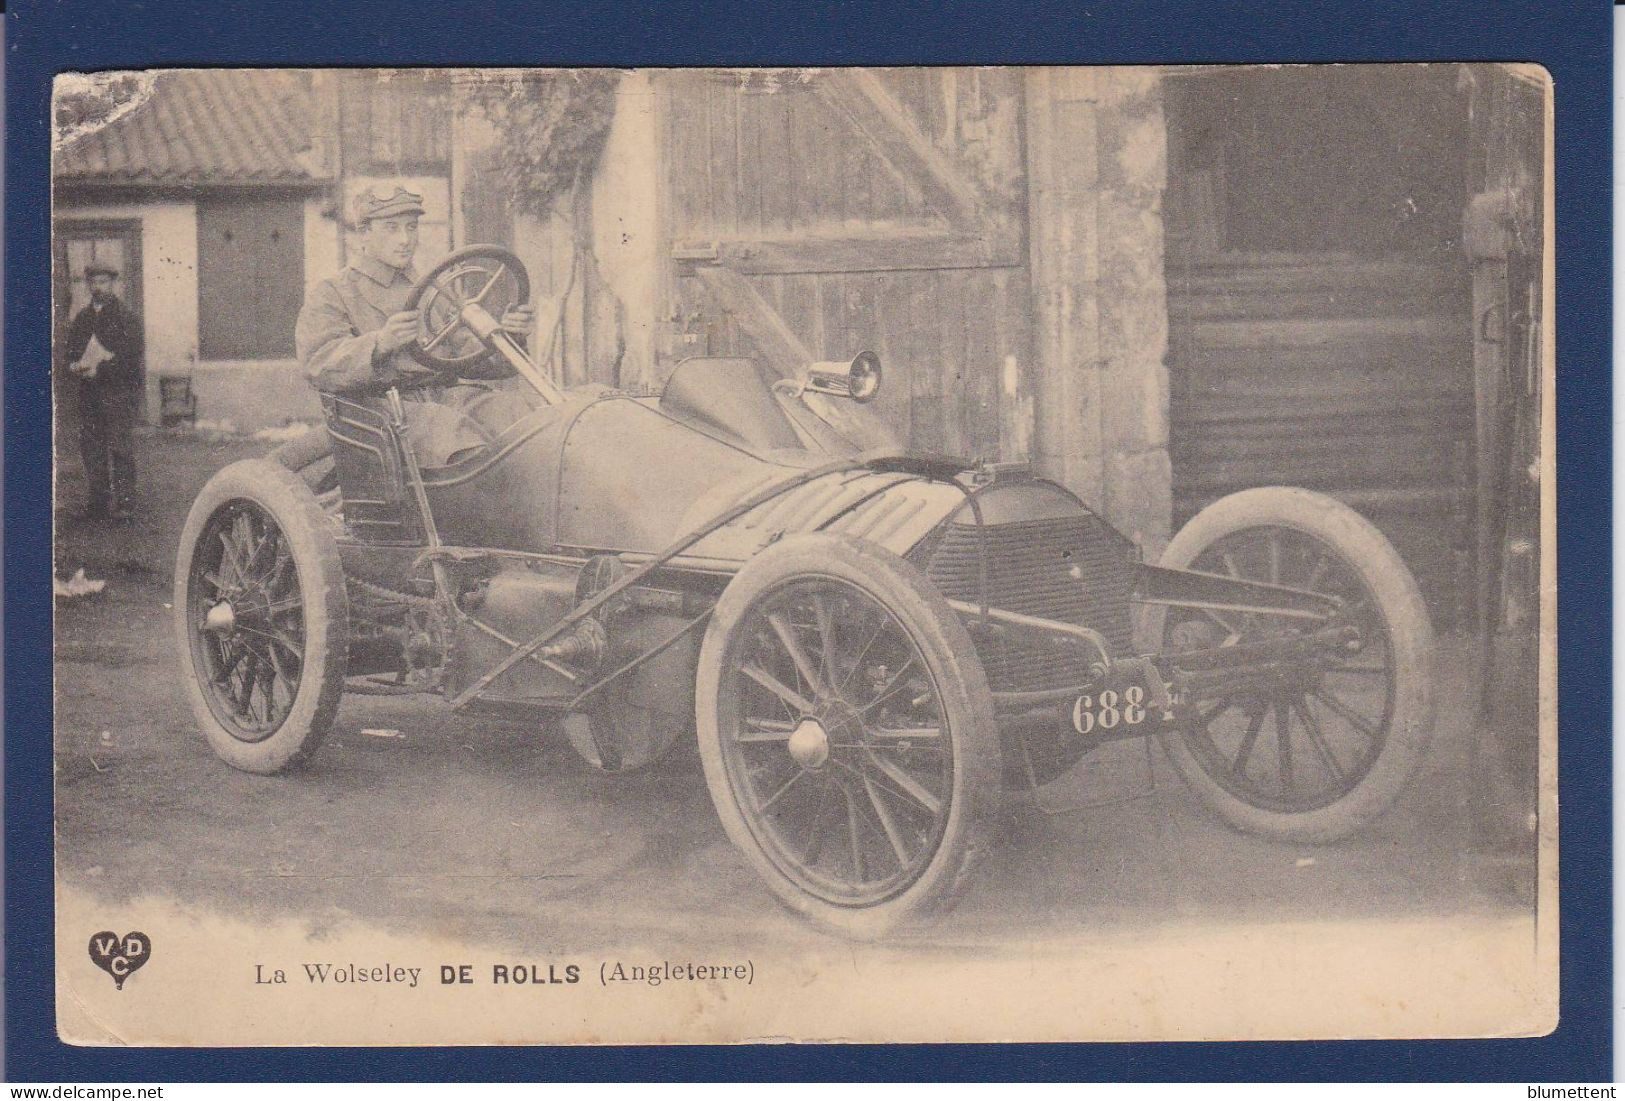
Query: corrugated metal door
<point x="816" y="214"/>
<point x="1320" y="315"/>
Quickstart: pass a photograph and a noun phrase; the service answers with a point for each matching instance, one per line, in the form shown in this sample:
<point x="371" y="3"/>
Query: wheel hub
<point x="220" y="619"/>
<point x="809" y="744"/>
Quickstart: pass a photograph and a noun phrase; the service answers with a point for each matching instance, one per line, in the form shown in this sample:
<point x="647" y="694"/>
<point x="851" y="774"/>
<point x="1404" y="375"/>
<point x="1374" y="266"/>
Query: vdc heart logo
<point x="120" y="956"/>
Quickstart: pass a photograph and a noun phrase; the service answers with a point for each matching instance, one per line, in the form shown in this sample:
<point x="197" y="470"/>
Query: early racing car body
<point x="871" y="647"/>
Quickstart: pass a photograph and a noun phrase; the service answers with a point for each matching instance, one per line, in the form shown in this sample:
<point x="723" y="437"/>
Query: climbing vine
<point x="550" y="129"/>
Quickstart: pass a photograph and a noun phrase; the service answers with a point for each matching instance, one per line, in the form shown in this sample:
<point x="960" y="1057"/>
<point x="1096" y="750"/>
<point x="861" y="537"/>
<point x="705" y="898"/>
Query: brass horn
<point x="858" y="380"/>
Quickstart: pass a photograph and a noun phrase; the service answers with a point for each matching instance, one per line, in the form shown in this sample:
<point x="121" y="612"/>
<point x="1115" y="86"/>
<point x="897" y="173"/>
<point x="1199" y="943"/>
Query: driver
<point x="354" y="328"/>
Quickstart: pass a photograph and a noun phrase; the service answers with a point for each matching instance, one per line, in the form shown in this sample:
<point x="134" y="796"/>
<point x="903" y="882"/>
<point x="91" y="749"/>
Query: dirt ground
<point x="488" y="830"/>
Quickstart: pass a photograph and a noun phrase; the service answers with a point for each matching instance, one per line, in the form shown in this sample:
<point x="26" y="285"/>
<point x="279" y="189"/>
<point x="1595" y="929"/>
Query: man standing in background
<point x="103" y="351"/>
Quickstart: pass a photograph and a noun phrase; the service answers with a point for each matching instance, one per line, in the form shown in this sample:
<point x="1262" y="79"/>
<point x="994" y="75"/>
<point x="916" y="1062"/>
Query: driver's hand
<point x="399" y="331"/>
<point x="520" y="318"/>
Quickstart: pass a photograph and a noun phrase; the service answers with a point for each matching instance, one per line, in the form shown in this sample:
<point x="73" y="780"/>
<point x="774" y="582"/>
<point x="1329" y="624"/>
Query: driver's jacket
<point x="337" y="343"/>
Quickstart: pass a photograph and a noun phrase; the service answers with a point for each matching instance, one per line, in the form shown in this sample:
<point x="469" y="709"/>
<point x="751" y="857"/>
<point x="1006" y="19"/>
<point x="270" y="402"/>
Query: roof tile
<point x="202" y="126"/>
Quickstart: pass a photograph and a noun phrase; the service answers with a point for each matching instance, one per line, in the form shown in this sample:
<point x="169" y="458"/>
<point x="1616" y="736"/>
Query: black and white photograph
<point x="877" y="555"/>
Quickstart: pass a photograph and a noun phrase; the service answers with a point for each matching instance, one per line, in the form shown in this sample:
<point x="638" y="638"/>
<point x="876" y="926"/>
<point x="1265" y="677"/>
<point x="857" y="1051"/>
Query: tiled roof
<point x="202" y="126"/>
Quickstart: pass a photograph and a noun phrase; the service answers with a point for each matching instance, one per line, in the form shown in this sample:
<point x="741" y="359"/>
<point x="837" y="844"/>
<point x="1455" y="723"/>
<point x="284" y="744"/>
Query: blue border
<point x="1572" y="39"/>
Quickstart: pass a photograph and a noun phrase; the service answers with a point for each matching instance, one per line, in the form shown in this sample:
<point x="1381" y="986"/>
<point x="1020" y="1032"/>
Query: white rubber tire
<point x="288" y="500"/>
<point x="1368" y="552"/>
<point x="966" y="701"/>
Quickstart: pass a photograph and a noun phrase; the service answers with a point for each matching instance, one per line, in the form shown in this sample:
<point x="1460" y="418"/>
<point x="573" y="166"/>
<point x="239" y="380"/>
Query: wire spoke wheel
<point x="833" y="735"/>
<point x="847" y="733"/>
<point x="1309" y="738"/>
<point x="1314" y="746"/>
<point x="261" y="615"/>
<point x="248" y="617"/>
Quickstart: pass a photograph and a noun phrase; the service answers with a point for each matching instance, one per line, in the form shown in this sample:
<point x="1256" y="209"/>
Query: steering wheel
<point x="485" y="275"/>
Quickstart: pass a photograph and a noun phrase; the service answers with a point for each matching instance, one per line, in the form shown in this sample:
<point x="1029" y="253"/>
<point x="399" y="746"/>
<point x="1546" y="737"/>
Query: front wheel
<point x="261" y="616"/>
<point x="847" y="733"/>
<point x="1316" y="755"/>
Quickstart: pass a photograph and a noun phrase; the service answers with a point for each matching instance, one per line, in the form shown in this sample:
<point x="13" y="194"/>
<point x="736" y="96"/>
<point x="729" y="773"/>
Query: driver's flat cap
<point x="371" y="203"/>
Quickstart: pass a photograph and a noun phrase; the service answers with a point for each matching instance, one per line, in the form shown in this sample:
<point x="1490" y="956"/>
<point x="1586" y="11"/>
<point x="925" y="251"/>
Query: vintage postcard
<point x="815" y="555"/>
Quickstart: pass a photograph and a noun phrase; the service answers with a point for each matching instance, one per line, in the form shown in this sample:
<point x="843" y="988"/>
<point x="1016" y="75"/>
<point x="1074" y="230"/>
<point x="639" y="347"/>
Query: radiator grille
<point x="1075" y="569"/>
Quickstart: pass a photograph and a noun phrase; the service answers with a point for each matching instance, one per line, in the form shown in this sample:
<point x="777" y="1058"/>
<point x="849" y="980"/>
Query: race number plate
<point x="1110" y="710"/>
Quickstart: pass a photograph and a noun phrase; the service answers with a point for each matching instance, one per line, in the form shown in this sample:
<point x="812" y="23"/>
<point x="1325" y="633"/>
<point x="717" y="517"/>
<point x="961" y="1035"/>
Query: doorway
<point x="1320" y="322"/>
<point x="75" y="244"/>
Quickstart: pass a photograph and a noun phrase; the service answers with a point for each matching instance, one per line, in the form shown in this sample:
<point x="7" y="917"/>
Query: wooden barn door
<point x="816" y="214"/>
<point x="1504" y="242"/>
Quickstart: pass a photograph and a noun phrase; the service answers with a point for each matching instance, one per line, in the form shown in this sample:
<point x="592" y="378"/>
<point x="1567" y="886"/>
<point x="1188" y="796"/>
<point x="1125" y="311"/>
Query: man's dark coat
<point x="120" y="333"/>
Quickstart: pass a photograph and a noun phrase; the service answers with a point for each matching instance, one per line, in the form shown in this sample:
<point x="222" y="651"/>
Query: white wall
<point x="168" y="282"/>
<point x="322" y="232"/>
<point x="247" y="395"/>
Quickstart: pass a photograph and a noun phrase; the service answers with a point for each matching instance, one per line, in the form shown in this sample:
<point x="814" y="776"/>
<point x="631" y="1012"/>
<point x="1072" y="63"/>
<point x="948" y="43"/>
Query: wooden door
<point x="816" y="214"/>
<point x="251" y="276"/>
<point x="1505" y="241"/>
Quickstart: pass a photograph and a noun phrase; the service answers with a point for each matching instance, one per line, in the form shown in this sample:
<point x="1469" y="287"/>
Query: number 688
<point x="1110" y="711"/>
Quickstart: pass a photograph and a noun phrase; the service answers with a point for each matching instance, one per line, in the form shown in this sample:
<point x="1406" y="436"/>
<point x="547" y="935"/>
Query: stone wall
<point x="1097" y="167"/>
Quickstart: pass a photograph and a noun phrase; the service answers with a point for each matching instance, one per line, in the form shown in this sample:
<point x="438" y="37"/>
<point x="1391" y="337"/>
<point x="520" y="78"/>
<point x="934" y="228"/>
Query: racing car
<point x="870" y="647"/>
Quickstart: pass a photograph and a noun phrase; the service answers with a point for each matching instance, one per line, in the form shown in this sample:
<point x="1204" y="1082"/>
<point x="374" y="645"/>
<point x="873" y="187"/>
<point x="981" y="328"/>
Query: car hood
<point x="893" y="510"/>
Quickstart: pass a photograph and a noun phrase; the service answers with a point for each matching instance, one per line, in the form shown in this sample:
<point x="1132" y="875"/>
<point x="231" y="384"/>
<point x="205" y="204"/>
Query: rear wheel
<point x="847" y="733"/>
<point x="261" y="616"/>
<point x="1317" y="754"/>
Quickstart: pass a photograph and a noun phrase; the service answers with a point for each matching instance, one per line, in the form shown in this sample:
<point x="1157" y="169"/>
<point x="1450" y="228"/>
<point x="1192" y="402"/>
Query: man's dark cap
<point x="100" y="269"/>
<point x="370" y="204"/>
